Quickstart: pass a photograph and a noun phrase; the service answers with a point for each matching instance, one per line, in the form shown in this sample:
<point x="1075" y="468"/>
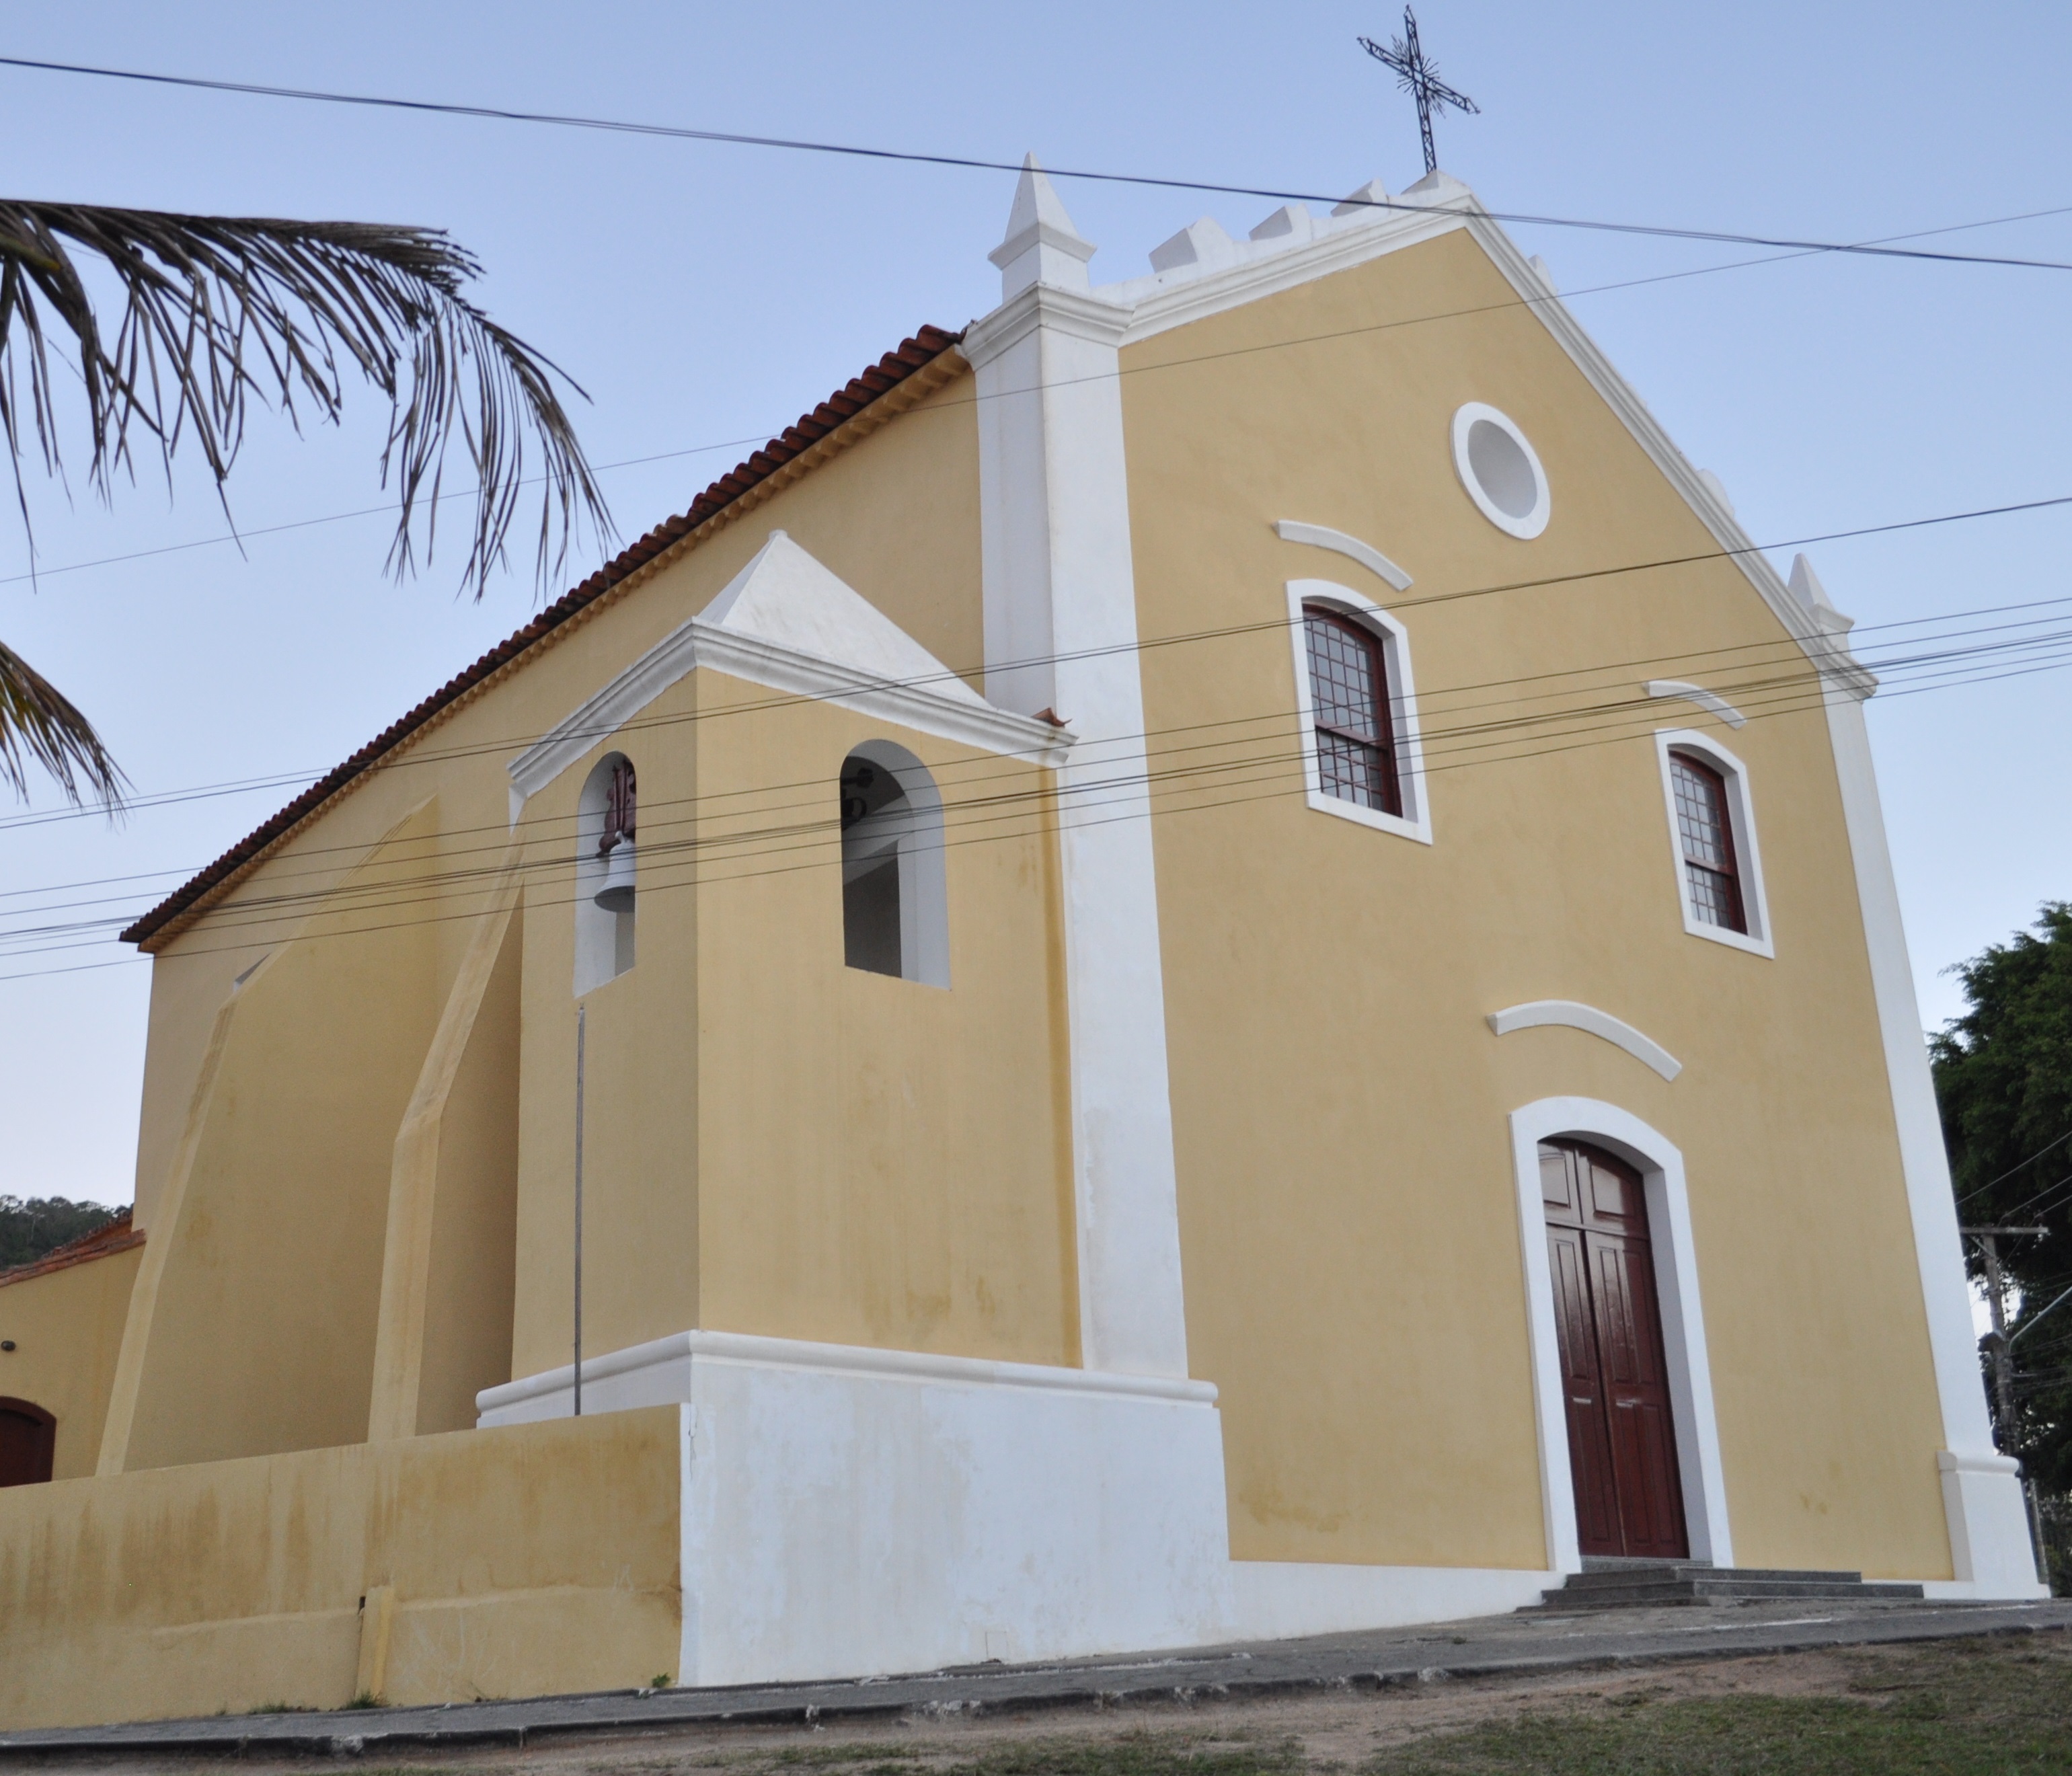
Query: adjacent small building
<point x="1213" y="960"/>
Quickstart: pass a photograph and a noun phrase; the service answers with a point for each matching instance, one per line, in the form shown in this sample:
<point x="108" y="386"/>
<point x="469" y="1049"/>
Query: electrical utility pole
<point x="1989" y="1238"/>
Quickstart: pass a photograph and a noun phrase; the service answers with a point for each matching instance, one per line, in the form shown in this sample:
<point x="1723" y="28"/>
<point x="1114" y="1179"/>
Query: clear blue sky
<point x="704" y="295"/>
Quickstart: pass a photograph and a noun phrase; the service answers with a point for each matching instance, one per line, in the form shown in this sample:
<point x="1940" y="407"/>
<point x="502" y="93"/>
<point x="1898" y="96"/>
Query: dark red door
<point x="1621" y="1439"/>
<point x="28" y="1435"/>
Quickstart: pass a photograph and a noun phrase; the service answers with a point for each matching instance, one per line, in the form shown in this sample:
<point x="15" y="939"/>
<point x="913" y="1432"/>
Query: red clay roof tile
<point x="928" y="344"/>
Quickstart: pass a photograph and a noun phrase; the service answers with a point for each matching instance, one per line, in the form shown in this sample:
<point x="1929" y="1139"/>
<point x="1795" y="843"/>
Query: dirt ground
<point x="1337" y="1729"/>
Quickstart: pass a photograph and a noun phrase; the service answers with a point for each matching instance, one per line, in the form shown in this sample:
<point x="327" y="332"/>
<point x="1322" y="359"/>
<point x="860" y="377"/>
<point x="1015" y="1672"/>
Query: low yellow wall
<point x="66" y="1326"/>
<point x="535" y="1559"/>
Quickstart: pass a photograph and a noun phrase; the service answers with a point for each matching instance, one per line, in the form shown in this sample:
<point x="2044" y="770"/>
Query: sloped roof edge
<point x="928" y="344"/>
<point x="119" y="1235"/>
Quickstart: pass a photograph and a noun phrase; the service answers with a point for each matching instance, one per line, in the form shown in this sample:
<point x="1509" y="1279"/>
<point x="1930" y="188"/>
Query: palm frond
<point x="219" y="311"/>
<point x="39" y="724"/>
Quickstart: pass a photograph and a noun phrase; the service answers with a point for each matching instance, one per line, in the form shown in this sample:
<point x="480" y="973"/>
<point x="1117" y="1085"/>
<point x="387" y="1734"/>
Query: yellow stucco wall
<point x="67" y="1329"/>
<point x="259" y="1335"/>
<point x="539" y="1559"/>
<point x="1349" y="1212"/>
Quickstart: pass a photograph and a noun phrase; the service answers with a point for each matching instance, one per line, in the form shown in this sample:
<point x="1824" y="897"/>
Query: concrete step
<point x="1670" y="1583"/>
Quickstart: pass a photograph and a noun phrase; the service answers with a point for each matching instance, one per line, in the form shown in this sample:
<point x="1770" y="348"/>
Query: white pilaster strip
<point x="1060" y="600"/>
<point x="1989" y="1545"/>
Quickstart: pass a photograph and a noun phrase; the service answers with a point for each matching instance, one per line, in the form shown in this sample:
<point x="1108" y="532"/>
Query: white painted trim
<point x="1416" y="820"/>
<point x="1661" y="1167"/>
<point x="1525" y="526"/>
<point x="1155" y="305"/>
<point x="1990" y="1553"/>
<point x="911" y="827"/>
<point x="1322" y="537"/>
<point x="1740" y="812"/>
<point x="1540" y="1012"/>
<point x="1710" y="700"/>
<point x="1060" y="617"/>
<point x="1146" y="306"/>
<point x="606" y="943"/>
<point x="648" y="1373"/>
<point x="918" y="707"/>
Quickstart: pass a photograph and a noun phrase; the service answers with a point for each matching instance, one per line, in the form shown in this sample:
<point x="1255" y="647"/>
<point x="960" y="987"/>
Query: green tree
<point x="40" y="1224"/>
<point x="217" y="312"/>
<point x="2004" y="1080"/>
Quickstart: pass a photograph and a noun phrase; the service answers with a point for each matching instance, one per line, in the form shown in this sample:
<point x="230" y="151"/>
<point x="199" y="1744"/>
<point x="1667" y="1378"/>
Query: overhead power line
<point x="429" y="755"/>
<point x="802" y="145"/>
<point x="804" y="843"/>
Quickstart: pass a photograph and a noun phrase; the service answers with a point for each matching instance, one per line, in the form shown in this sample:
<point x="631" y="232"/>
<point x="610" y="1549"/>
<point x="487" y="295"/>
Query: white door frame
<point x="1661" y="1167"/>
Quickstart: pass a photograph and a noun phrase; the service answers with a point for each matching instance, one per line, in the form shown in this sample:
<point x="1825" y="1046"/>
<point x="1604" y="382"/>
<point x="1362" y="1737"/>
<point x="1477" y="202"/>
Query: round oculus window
<point x="1500" y="470"/>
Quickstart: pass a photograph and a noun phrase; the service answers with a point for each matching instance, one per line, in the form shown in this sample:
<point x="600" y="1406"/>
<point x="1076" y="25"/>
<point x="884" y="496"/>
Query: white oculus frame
<point x="1415" y="822"/>
<point x="1661" y="1167"/>
<point x="1741" y="817"/>
<point x="1501" y="471"/>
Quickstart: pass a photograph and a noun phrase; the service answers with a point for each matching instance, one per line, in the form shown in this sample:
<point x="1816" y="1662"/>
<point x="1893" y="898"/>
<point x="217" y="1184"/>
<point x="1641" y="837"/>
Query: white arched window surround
<point x="1748" y="855"/>
<point x="1661" y="1167"/>
<point x="1416" y="820"/>
<point x="911" y="827"/>
<point x="604" y="939"/>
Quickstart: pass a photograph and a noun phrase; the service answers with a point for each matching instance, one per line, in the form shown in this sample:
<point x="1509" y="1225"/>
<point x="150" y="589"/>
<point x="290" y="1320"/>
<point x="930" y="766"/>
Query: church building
<point x="1214" y="959"/>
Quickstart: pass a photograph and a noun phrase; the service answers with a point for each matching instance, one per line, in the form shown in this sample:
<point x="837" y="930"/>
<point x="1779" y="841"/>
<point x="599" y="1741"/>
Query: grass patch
<point x="1147" y="1754"/>
<point x="1959" y="1709"/>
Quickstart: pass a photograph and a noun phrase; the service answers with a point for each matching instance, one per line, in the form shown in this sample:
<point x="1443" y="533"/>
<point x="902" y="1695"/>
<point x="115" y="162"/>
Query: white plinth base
<point x="849" y="1512"/>
<point x="1990" y="1549"/>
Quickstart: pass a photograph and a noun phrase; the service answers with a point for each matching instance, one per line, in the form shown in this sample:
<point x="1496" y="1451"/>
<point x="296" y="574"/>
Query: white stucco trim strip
<point x="1711" y="700"/>
<point x="1568" y="1013"/>
<point x="856" y="1359"/>
<point x="1319" y="537"/>
<point x="919" y="708"/>
<point x="1990" y="1551"/>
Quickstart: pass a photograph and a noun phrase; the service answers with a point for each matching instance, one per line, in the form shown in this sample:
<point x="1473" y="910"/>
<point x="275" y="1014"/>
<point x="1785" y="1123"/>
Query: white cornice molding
<point x="919" y="707"/>
<point x="1322" y="536"/>
<point x="1145" y="306"/>
<point x="1067" y="311"/>
<point x="742" y="1347"/>
<point x="1699" y="695"/>
<point x="1154" y="307"/>
<point x="1833" y="661"/>
<point x="1569" y="1014"/>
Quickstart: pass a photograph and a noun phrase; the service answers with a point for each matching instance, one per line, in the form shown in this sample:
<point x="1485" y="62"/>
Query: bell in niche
<point x="614" y="892"/>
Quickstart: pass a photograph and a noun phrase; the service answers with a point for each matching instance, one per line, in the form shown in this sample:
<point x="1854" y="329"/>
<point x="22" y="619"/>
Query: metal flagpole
<point x="580" y="1013"/>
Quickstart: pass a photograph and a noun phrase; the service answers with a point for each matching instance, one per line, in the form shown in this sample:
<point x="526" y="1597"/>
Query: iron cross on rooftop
<point x="1420" y="78"/>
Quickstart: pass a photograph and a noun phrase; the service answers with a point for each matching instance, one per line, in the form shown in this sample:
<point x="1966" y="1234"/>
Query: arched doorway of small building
<point x="1615" y="1372"/>
<point x="28" y="1439"/>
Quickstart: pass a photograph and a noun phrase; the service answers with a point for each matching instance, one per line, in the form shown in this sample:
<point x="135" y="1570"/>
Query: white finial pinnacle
<point x="1042" y="246"/>
<point x="1806" y="588"/>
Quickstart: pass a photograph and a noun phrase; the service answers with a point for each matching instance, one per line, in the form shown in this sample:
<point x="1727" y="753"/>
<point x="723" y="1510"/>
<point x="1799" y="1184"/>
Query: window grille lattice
<point x="1349" y="695"/>
<point x="1708" y="843"/>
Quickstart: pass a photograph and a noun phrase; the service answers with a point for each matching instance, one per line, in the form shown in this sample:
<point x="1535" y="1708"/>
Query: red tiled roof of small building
<point x="103" y="1242"/>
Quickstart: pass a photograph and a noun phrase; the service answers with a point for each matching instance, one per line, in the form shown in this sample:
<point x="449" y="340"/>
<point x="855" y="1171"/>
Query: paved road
<point x="1495" y="1645"/>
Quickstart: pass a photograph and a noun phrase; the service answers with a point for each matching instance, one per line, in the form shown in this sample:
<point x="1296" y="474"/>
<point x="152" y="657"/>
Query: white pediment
<point x="784" y="596"/>
<point x="787" y="623"/>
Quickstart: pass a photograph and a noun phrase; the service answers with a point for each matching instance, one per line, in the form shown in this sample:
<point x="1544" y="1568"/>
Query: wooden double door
<point x="28" y="1437"/>
<point x="1608" y="1320"/>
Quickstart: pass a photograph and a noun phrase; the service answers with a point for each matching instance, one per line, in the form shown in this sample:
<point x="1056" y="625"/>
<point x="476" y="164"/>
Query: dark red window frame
<point x="1352" y="709"/>
<point x="1714" y="877"/>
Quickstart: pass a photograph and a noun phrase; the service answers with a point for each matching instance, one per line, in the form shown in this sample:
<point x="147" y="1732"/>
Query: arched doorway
<point x="28" y="1438"/>
<point x="1615" y="1373"/>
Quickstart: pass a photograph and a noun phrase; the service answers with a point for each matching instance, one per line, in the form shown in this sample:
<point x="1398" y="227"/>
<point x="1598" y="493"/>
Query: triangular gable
<point x="785" y="597"/>
<point x="787" y="622"/>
